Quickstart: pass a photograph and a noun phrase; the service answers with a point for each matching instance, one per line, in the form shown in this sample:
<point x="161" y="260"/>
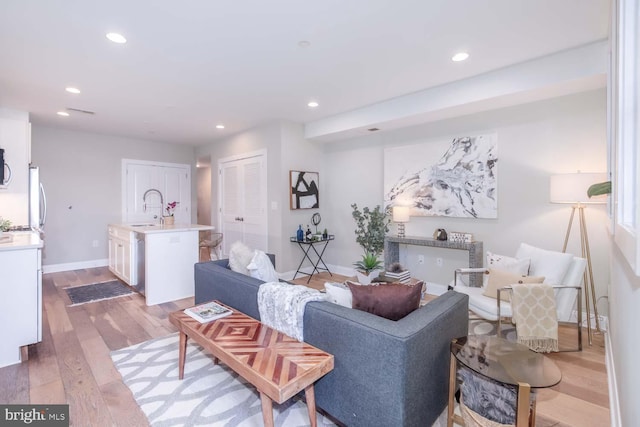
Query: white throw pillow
<point x="550" y="264"/>
<point x="338" y="293"/>
<point x="261" y="267"/>
<point x="239" y="257"/>
<point x="518" y="265"/>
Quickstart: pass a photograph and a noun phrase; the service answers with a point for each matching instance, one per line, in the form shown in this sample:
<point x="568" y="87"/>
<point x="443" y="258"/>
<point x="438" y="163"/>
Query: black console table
<point x="392" y="251"/>
<point x="308" y="245"/>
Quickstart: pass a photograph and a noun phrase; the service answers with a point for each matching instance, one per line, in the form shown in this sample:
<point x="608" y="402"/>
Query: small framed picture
<point x="304" y="190"/>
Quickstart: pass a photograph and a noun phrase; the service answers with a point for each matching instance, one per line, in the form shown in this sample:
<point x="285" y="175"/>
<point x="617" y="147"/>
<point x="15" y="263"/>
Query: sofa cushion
<point x="338" y="293"/>
<point x="392" y="301"/>
<point x="550" y="264"/>
<point x="261" y="267"/>
<point x="500" y="278"/>
<point x="240" y="255"/>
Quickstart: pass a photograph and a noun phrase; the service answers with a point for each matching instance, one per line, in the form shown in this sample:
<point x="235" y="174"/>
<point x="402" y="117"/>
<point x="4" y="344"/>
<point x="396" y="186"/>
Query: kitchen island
<point x="157" y="260"/>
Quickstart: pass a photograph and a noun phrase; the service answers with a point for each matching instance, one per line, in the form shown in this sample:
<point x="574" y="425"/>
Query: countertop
<point x="21" y="240"/>
<point x="145" y="228"/>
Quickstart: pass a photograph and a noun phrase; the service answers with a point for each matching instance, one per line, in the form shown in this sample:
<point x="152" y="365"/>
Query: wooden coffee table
<point x="277" y="365"/>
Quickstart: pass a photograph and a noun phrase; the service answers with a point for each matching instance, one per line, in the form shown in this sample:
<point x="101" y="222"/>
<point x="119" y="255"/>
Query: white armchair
<point x="552" y="265"/>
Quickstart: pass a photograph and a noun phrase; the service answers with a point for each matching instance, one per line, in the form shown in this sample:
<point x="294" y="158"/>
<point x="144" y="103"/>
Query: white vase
<point x="365" y="279"/>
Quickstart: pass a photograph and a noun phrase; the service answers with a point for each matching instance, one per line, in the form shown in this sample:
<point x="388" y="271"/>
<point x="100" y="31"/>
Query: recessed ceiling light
<point x="72" y="90"/>
<point x="460" y="56"/>
<point x="220" y="126"/>
<point x="304" y="43"/>
<point x="116" y="38"/>
<point x="63" y="113"/>
<point x="312" y="104"/>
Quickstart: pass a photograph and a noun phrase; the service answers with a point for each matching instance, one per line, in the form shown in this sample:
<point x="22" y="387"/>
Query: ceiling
<point x="190" y="65"/>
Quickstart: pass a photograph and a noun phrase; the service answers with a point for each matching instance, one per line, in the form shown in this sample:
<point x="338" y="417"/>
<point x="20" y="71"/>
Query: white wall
<point x="81" y="173"/>
<point x="534" y="141"/>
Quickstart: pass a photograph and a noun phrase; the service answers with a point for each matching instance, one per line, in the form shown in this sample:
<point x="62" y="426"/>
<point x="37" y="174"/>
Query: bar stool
<point x="210" y="245"/>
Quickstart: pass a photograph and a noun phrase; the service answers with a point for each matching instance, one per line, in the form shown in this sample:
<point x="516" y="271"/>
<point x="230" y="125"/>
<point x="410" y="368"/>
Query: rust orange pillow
<point x="392" y="301"/>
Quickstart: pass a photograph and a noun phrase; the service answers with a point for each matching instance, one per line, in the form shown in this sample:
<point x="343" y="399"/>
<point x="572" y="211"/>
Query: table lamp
<point x="401" y="215"/>
<point x="572" y="188"/>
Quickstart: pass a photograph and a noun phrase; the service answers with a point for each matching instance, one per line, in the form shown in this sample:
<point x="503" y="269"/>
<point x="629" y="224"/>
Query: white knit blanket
<point x="534" y="313"/>
<point x="282" y="305"/>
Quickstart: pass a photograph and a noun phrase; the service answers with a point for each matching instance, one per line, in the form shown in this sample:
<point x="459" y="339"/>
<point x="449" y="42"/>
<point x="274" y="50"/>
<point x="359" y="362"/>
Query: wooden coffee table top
<point x="276" y="364"/>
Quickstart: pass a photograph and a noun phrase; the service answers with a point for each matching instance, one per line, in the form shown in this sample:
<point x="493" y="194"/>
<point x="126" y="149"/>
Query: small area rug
<point x="209" y="395"/>
<point x="97" y="292"/>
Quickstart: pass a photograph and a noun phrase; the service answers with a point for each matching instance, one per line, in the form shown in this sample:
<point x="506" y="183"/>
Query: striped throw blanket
<point x="282" y="305"/>
<point x="535" y="317"/>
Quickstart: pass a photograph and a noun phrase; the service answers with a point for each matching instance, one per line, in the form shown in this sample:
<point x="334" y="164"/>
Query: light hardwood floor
<point x="72" y="363"/>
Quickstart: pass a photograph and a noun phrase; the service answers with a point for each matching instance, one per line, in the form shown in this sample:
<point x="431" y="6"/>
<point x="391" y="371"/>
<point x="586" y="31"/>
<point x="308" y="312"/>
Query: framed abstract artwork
<point x="454" y="178"/>
<point x="304" y="190"/>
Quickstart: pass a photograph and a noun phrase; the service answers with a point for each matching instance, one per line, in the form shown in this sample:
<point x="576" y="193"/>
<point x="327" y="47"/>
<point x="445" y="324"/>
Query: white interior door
<point x="173" y="181"/>
<point x="243" y="197"/>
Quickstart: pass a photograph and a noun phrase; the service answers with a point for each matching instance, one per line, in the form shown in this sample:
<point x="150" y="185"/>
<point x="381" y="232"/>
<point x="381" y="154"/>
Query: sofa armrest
<point x="386" y="372"/>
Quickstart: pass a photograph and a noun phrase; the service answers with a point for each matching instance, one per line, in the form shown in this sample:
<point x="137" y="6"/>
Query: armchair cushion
<point x="552" y="265"/>
<point x="500" y="278"/>
<point x="508" y="264"/>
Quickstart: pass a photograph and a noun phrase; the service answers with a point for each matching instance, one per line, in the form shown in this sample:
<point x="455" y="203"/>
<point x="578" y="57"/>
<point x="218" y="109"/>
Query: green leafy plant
<point x="369" y="263"/>
<point x="599" y="189"/>
<point x="5" y="224"/>
<point x="371" y="228"/>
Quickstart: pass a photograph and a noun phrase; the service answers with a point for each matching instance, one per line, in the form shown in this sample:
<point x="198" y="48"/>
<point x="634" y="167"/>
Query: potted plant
<point x="169" y="219"/>
<point x="599" y="189"/>
<point x="5" y="225"/>
<point x="371" y="228"/>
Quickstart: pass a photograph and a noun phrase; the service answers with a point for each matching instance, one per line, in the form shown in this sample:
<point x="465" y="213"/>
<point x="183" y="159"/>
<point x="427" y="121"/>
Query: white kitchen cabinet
<point x="20" y="296"/>
<point x="121" y="254"/>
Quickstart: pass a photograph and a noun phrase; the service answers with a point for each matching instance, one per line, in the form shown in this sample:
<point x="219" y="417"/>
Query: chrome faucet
<point x="144" y="199"/>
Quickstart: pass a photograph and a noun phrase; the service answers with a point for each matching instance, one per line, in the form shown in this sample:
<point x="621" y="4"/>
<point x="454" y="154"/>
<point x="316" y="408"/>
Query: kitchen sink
<point x="142" y="225"/>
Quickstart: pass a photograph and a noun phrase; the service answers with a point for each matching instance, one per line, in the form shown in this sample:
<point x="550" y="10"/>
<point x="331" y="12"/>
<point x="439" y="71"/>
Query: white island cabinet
<point x="20" y="294"/>
<point x="157" y="260"/>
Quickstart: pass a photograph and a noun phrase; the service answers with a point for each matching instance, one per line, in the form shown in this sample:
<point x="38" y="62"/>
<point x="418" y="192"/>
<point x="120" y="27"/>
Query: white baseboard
<point x="55" y="268"/>
<point x="344" y="271"/>
<point x="614" y="402"/>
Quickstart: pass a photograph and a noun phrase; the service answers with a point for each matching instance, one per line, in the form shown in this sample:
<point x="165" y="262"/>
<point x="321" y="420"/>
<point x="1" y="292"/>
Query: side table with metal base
<point x="306" y="246"/>
<point x="506" y="363"/>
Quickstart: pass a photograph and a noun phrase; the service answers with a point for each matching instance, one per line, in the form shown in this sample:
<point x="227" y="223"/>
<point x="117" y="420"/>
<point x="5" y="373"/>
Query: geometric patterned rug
<point x="97" y="292"/>
<point x="209" y="395"/>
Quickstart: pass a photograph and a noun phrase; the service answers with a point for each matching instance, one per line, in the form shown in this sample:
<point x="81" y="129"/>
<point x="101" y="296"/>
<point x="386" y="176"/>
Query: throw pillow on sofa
<point x="338" y="293"/>
<point x="506" y="263"/>
<point x="501" y="278"/>
<point x="392" y="301"/>
<point x="261" y="267"/>
<point x="240" y="255"/>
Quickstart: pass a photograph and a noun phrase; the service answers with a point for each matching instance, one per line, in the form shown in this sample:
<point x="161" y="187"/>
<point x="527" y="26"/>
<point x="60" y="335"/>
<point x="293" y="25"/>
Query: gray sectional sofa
<point x="387" y="373"/>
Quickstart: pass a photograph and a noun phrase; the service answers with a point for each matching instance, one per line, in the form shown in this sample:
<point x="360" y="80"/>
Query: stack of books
<point x="402" y="277"/>
<point x="207" y="312"/>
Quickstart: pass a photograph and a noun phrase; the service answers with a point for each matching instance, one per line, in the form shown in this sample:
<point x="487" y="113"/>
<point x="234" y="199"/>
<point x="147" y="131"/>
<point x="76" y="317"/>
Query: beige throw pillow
<point x="500" y="278"/>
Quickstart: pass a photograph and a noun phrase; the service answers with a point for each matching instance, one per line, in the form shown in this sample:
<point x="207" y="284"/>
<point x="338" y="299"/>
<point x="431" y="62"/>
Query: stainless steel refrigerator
<point x="37" y="201"/>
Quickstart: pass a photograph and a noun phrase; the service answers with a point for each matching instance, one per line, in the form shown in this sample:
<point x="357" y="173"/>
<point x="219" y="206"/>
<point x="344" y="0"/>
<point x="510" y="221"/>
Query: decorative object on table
<point x="307" y="235"/>
<point x="325" y="234"/>
<point x="397" y="273"/>
<point x="400" y="216"/>
<point x="371" y="227"/>
<point x="367" y="268"/>
<point x="169" y="218"/>
<point x="5" y="225"/>
<point x="207" y="312"/>
<point x="573" y="188"/>
<point x="315" y="220"/>
<point x="456" y="178"/>
<point x="461" y="237"/>
<point x="300" y="234"/>
<point x="304" y="190"/>
<point x="440" y="234"/>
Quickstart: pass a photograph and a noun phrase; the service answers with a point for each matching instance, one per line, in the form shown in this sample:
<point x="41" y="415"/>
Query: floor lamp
<point x="572" y="188"/>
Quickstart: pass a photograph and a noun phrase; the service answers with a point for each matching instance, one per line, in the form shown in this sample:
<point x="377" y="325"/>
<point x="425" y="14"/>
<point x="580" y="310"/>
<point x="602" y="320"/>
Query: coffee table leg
<point x="182" y="354"/>
<point x="310" y="395"/>
<point x="267" y="410"/>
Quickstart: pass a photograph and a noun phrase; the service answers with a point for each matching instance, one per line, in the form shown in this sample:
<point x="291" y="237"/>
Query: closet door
<point x="243" y="195"/>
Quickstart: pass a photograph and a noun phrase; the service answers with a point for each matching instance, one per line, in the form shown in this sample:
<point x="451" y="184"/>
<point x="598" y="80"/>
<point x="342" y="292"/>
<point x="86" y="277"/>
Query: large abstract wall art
<point x="304" y="190"/>
<point x="455" y="178"/>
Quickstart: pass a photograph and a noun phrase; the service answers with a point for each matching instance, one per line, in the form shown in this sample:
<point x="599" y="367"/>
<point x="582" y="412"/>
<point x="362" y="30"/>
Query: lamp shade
<point x="572" y="188"/>
<point x="401" y="214"/>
